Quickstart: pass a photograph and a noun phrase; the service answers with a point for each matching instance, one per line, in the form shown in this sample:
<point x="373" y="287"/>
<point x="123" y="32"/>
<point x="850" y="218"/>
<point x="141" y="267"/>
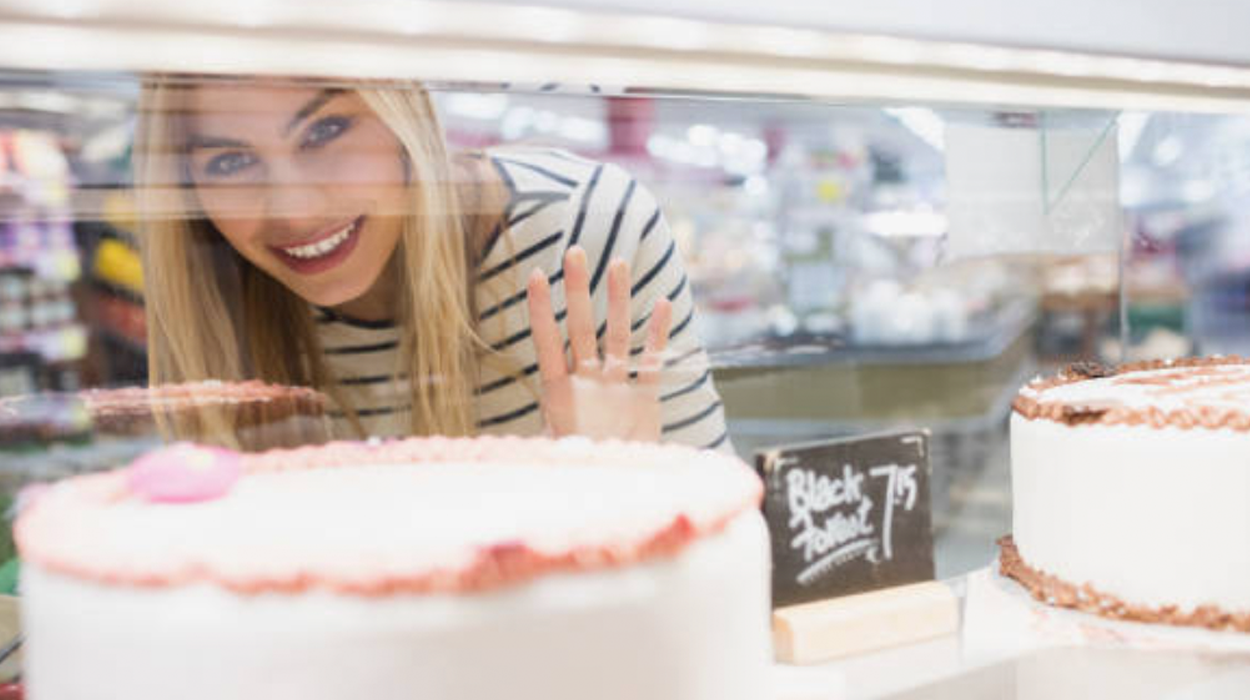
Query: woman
<point x="321" y="236"/>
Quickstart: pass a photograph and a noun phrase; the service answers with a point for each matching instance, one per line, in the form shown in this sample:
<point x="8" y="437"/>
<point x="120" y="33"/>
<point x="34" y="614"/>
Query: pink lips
<point x="309" y="266"/>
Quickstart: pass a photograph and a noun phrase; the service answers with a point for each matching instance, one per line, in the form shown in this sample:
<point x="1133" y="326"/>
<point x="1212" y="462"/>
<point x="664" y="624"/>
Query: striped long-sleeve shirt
<point x="556" y="200"/>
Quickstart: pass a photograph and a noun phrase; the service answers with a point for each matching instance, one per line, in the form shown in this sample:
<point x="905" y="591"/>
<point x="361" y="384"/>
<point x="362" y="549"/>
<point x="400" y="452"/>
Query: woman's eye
<point x="325" y="130"/>
<point x="228" y="164"/>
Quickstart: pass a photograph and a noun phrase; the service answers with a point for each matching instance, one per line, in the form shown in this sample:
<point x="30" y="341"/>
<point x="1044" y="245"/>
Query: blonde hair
<point x="213" y="315"/>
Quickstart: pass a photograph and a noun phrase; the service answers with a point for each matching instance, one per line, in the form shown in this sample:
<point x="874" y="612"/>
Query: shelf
<point x="1007" y="326"/>
<point x="495" y="45"/>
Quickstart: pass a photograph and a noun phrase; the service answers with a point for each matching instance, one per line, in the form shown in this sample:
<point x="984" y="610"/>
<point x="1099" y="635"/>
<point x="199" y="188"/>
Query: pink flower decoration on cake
<point x="185" y="473"/>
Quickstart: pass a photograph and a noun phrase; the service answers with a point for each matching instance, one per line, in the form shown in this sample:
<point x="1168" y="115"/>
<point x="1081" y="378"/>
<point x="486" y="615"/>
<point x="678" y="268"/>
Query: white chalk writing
<point x="832" y="516"/>
<point x="900" y="489"/>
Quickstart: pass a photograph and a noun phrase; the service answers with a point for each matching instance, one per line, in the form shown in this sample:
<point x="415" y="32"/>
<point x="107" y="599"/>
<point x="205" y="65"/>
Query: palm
<point x="594" y="396"/>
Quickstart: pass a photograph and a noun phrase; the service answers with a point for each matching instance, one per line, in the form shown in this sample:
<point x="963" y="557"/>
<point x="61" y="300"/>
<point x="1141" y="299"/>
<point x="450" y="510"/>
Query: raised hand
<point x="594" y="396"/>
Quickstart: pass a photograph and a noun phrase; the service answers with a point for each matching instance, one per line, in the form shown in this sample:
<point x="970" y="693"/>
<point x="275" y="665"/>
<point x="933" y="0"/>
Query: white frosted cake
<point x="1131" y="492"/>
<point x="432" y="568"/>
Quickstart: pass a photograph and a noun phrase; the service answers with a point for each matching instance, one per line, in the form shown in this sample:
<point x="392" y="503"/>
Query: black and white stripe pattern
<point x="556" y="200"/>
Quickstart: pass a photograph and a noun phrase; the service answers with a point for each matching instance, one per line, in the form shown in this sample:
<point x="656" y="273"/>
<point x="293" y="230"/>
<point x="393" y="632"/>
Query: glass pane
<point x="352" y="259"/>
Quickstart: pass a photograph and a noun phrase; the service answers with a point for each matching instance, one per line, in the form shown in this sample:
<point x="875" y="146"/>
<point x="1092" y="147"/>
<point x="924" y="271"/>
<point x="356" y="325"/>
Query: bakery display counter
<point x="812" y="388"/>
<point x="992" y="338"/>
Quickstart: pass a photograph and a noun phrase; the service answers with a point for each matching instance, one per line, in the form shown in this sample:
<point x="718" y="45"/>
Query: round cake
<point x="1131" y="491"/>
<point x="432" y="568"/>
<point x="252" y="413"/>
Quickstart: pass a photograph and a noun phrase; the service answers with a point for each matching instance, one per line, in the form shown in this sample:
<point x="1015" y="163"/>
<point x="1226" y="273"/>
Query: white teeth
<point x="321" y="247"/>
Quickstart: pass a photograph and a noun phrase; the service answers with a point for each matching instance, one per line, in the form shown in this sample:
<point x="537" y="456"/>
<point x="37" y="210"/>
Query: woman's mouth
<point x="324" y="251"/>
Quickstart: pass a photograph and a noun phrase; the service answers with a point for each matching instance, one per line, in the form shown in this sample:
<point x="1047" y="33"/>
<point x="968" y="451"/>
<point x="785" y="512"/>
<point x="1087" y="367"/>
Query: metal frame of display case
<point x="490" y="43"/>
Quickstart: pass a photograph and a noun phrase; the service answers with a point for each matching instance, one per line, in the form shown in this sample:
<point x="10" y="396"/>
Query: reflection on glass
<point x="319" y="236"/>
<point x="284" y="261"/>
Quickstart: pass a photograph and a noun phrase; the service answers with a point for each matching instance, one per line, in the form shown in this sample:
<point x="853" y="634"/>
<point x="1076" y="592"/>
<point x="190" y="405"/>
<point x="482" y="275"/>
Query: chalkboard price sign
<point x="847" y="516"/>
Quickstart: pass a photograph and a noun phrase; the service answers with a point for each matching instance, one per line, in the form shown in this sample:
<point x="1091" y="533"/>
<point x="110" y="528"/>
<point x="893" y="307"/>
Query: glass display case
<point x="846" y="242"/>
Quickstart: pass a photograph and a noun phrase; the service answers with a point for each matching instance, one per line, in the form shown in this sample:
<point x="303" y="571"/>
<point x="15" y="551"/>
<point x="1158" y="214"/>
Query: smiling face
<point x="307" y="184"/>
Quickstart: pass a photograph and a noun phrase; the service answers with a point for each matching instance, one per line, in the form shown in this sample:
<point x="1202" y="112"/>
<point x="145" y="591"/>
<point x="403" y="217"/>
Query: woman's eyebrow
<point x="201" y="141"/>
<point x="317" y="102"/>
<point x="310" y="107"/>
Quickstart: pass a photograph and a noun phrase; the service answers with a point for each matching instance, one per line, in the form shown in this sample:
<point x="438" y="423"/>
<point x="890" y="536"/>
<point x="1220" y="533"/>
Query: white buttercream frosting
<point x="607" y="571"/>
<point x="1153" y="516"/>
<point x="693" y="627"/>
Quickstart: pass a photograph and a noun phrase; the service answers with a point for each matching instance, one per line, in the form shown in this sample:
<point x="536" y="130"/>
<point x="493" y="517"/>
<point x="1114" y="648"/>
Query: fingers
<point x="580" y="320"/>
<point x="657" y="340"/>
<point x="543" y="329"/>
<point x="616" y="342"/>
<point x="580" y="324"/>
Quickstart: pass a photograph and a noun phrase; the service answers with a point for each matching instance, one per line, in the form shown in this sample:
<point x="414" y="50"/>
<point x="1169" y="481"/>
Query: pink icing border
<point x="499" y="565"/>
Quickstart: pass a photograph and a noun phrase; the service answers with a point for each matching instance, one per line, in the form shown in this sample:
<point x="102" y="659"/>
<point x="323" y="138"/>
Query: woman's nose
<point x="291" y="192"/>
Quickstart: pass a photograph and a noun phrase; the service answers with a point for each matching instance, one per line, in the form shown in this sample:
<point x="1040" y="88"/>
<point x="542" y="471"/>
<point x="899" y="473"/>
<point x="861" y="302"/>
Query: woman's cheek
<point x="350" y="201"/>
<point x="243" y="235"/>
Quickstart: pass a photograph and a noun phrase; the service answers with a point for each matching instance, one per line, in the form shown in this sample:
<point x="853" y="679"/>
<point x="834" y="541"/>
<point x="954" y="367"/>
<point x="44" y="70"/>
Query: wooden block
<point x="828" y="629"/>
